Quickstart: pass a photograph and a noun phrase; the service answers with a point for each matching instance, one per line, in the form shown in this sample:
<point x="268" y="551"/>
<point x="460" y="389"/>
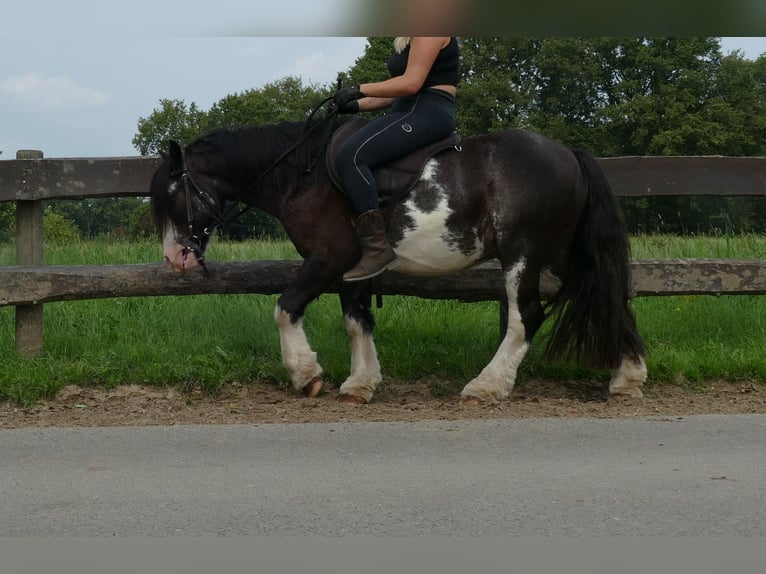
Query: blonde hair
<point x="401" y="43"/>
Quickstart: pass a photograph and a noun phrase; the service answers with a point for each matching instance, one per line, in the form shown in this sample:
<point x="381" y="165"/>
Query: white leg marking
<point x="365" y="367"/>
<point x="496" y="380"/>
<point x="628" y="378"/>
<point x="297" y="356"/>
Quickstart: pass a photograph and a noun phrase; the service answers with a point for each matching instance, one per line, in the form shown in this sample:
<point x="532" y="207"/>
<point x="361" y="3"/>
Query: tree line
<point x="614" y="96"/>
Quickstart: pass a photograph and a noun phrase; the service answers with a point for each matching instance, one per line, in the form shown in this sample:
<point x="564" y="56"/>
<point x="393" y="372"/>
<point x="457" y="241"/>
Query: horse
<point x="516" y="196"/>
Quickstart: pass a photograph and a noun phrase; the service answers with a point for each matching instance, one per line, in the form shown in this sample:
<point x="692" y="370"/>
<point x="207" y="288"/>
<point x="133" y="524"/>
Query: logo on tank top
<point x="407" y="128"/>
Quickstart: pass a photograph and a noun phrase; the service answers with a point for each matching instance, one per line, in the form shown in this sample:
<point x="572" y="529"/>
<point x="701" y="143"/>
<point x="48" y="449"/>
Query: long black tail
<point x="595" y="325"/>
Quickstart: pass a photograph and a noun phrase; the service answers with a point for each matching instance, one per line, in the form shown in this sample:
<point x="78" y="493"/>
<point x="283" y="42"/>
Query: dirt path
<point x="396" y="401"/>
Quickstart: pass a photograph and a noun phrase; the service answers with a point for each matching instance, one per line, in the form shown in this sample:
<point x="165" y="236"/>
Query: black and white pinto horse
<point x="528" y="201"/>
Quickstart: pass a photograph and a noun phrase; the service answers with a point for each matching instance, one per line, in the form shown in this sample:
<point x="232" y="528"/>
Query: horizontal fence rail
<point x="30" y="179"/>
<point x="76" y="178"/>
<point x="32" y="285"/>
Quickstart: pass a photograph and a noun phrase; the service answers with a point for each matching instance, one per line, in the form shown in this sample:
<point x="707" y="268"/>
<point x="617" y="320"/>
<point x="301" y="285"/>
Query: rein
<point x="303" y="138"/>
<point x="192" y="243"/>
<point x="228" y="215"/>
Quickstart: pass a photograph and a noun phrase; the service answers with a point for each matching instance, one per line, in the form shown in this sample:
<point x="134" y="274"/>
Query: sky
<point x="76" y="75"/>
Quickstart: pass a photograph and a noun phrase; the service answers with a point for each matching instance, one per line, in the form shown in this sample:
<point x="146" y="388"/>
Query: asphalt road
<point x="691" y="476"/>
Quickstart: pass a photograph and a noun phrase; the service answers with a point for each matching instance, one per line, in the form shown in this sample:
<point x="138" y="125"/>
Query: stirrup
<point x="390" y="266"/>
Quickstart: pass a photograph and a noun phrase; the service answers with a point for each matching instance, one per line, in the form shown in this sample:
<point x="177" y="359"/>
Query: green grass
<point x="208" y="341"/>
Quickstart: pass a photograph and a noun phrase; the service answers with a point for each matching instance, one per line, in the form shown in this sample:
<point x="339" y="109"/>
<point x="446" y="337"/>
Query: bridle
<point x="192" y="243"/>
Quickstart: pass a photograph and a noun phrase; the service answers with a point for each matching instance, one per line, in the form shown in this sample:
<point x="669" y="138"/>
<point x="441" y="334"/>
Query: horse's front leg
<point x="297" y="356"/>
<point x="316" y="275"/>
<point x="365" y="374"/>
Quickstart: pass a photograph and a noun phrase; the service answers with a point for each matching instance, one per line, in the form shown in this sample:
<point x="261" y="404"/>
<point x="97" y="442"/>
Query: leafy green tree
<point x="284" y="100"/>
<point x="497" y="83"/>
<point x="100" y="216"/>
<point x="173" y="120"/>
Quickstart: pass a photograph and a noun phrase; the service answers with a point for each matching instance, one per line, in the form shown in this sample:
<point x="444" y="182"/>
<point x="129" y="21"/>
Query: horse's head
<point x="186" y="209"/>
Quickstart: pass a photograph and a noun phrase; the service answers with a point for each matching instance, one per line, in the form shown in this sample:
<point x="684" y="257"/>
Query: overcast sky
<point x="76" y="75"/>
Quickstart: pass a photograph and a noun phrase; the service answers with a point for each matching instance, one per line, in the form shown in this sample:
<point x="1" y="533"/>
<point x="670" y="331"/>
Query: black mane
<point x="249" y="151"/>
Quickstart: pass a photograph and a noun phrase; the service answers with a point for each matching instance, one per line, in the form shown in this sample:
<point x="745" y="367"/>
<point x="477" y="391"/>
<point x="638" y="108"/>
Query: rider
<point x="421" y="97"/>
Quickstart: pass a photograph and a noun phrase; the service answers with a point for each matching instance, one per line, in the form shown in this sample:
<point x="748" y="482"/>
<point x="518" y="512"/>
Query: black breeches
<point x="412" y="123"/>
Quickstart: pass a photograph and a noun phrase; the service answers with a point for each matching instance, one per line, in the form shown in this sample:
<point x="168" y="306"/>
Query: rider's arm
<point x="423" y="53"/>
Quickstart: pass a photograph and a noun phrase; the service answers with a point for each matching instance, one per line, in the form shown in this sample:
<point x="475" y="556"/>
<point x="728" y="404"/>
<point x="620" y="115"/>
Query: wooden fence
<point x="29" y="180"/>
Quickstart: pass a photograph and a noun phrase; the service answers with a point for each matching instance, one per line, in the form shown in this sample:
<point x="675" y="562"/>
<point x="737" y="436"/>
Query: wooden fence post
<point x="29" y="251"/>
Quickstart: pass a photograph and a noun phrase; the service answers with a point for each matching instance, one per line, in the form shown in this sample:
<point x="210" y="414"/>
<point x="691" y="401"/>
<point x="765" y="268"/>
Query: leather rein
<point x="192" y="243"/>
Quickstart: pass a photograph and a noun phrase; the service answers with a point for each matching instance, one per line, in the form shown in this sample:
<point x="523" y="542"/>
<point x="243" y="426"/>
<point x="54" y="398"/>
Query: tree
<point x="624" y="96"/>
<point x="497" y="83"/>
<point x="284" y="100"/>
<point x="101" y="216"/>
<point x="173" y="120"/>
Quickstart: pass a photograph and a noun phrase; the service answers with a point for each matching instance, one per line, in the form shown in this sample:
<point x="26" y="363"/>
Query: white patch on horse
<point x="297" y="356"/>
<point x="169" y="242"/>
<point x="429" y="174"/>
<point x="365" y="368"/>
<point x="496" y="380"/>
<point x="628" y="378"/>
<point x="425" y="248"/>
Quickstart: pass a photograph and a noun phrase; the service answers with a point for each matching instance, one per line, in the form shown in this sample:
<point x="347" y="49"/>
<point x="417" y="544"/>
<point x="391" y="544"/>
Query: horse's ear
<point x="176" y="155"/>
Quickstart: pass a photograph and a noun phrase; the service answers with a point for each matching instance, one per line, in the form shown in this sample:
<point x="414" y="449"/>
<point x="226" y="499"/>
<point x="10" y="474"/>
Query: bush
<point x="58" y="228"/>
<point x="7" y="221"/>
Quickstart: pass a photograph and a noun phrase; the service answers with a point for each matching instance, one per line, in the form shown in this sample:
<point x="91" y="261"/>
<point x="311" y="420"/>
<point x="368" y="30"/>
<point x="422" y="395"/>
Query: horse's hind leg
<point x="628" y="378"/>
<point x="525" y="315"/>
<point x="365" y="368"/>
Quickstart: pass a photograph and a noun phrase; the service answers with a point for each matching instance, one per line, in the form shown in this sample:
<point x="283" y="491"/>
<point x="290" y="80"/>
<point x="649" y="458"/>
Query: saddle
<point x="395" y="179"/>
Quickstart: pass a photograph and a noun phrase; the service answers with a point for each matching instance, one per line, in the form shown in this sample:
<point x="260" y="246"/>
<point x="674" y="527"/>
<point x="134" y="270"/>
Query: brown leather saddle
<point x="395" y="179"/>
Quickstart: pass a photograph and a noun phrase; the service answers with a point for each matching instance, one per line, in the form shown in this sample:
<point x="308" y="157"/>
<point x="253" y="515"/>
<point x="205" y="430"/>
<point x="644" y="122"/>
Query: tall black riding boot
<point x="377" y="254"/>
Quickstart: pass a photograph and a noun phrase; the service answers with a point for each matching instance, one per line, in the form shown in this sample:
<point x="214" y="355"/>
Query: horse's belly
<point x="428" y="247"/>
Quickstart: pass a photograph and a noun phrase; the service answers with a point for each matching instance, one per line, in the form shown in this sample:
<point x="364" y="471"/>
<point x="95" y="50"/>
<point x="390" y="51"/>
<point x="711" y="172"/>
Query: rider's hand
<point x="346" y="99"/>
<point x="350" y="108"/>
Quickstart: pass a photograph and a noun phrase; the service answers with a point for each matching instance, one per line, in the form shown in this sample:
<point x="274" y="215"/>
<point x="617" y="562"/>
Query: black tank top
<point x="443" y="71"/>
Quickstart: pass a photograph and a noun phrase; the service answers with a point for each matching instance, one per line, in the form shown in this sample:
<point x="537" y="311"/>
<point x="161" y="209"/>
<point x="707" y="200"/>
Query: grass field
<point x="211" y="340"/>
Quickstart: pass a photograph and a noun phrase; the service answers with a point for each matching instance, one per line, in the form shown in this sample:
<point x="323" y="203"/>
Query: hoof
<point x="313" y="387"/>
<point x="351" y="399"/>
<point x="484" y="399"/>
<point x="634" y="393"/>
<point x="471" y="400"/>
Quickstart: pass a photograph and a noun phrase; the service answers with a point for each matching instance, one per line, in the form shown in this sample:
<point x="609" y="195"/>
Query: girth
<point x="395" y="179"/>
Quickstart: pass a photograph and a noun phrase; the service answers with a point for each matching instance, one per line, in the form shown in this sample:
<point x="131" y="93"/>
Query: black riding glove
<point x="350" y="108"/>
<point x="346" y="99"/>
